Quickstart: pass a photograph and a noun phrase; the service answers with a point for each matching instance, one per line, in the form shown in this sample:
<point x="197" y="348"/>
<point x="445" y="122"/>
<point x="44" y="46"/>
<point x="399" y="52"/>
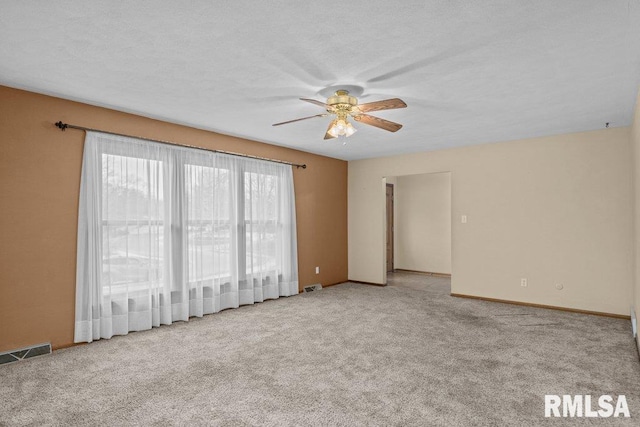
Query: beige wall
<point x="423" y="222"/>
<point x="39" y="184"/>
<point x="552" y="210"/>
<point x="635" y="145"/>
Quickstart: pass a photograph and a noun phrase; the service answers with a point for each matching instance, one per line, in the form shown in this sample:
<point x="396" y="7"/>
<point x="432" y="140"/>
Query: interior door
<point x="389" y="227"/>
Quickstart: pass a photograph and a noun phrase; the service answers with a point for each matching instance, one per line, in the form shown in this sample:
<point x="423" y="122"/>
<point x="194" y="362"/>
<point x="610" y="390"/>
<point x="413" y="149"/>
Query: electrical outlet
<point x="463" y="219"/>
<point x="523" y="283"/>
<point x="317" y="270"/>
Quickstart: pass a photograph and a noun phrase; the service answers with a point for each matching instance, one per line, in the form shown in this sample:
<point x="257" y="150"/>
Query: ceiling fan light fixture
<point x="333" y="130"/>
<point x="341" y="127"/>
<point x="349" y="130"/>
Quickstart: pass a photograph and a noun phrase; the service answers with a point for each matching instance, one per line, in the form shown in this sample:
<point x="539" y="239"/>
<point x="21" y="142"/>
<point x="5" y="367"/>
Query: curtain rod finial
<point x="62" y="126"/>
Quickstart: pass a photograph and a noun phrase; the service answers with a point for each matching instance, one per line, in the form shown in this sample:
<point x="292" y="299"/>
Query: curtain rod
<point x="64" y="126"/>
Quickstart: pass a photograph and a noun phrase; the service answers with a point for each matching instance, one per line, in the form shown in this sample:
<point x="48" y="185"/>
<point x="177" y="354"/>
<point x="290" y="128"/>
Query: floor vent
<point x="312" y="288"/>
<point x="24" y="353"/>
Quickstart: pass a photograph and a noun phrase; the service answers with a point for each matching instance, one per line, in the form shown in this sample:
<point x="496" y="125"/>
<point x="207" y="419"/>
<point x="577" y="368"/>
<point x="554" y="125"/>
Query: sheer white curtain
<point x="166" y="233"/>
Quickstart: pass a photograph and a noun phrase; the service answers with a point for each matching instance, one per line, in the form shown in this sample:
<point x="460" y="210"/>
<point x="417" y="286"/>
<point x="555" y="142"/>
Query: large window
<point x="261" y="221"/>
<point x="209" y="220"/>
<point x="132" y="222"/>
<point x="166" y="233"/>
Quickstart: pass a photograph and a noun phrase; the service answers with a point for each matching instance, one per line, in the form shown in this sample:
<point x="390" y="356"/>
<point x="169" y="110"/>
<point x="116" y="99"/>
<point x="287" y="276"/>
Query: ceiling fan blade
<point x="377" y="122"/>
<point x="297" y="120"/>
<point x="327" y="135"/>
<point x="313" y="101"/>
<point x="387" y="104"/>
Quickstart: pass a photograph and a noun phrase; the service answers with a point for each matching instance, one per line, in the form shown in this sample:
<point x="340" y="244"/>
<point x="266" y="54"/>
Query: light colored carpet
<point x="351" y="354"/>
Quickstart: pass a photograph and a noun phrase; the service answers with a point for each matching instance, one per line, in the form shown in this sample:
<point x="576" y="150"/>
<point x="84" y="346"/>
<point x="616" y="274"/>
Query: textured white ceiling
<point x="470" y="71"/>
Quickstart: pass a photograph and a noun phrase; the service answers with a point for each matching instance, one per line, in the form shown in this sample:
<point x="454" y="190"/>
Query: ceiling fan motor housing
<point x="342" y="101"/>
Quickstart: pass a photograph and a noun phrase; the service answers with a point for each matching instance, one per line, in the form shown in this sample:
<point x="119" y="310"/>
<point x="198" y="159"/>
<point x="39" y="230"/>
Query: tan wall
<point x="635" y="146"/>
<point x="423" y="222"/>
<point x="39" y="184"/>
<point x="552" y="210"/>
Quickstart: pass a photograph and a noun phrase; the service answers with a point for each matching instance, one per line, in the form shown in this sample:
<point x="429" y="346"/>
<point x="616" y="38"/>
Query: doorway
<point x="390" y="227"/>
<point x="417" y="224"/>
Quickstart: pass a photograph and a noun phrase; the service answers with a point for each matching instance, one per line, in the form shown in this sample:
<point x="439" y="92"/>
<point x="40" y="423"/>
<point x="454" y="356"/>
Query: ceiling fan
<point x="342" y="105"/>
